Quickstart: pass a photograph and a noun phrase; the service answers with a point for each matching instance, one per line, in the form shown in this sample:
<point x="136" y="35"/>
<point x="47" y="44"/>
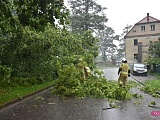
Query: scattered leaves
<point x="153" y="103"/>
<point x="70" y="83"/>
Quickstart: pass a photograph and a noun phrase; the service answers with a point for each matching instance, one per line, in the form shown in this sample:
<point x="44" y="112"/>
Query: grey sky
<point x="123" y="12"/>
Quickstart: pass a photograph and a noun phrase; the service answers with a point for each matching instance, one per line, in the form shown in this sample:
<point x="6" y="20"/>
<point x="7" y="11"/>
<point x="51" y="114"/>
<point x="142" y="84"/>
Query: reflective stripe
<point x="124" y="73"/>
<point x="124" y="68"/>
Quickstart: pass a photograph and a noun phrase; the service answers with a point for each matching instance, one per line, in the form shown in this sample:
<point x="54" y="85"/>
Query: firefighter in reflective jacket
<point x="85" y="70"/>
<point x="124" y="72"/>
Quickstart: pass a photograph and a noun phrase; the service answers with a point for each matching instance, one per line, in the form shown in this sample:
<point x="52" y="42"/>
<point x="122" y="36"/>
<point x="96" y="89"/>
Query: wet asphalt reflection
<point x="45" y="106"/>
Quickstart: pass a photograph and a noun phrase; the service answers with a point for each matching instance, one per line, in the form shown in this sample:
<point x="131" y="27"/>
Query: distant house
<point x="137" y="40"/>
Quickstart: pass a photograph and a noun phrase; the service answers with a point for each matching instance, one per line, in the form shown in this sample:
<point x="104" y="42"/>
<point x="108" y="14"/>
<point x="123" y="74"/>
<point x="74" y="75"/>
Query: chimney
<point x="147" y="17"/>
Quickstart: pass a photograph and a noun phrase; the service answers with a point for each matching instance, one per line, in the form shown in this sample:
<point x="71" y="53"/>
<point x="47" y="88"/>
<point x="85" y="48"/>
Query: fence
<point x="156" y="69"/>
<point x="106" y="64"/>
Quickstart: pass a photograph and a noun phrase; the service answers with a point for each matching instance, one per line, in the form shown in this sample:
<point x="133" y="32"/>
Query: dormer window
<point x="142" y="28"/>
<point x="152" y="27"/>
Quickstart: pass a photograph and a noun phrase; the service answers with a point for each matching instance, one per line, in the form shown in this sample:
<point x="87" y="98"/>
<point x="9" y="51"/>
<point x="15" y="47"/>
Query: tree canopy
<point x="34" y="13"/>
<point x="89" y="15"/>
<point x="86" y="15"/>
<point x="107" y="47"/>
<point x="38" y="13"/>
<point x="31" y="43"/>
<point x="154" y="53"/>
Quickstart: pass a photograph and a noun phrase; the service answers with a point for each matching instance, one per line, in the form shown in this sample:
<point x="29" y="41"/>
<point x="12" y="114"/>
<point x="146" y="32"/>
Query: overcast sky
<point x="123" y="12"/>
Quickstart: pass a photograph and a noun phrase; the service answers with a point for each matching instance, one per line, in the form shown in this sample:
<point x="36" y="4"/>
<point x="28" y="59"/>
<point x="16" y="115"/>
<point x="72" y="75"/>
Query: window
<point x="142" y="28"/>
<point x="152" y="27"/>
<point x="135" y="56"/>
<point x="135" y="42"/>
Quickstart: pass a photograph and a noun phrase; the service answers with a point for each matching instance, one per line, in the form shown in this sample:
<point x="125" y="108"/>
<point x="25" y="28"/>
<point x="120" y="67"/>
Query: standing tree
<point x="86" y="15"/>
<point x="121" y="49"/>
<point x="107" y="47"/>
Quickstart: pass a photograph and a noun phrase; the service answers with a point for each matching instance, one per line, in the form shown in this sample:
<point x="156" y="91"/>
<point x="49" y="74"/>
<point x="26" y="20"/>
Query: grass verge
<point x="152" y="87"/>
<point x="14" y="93"/>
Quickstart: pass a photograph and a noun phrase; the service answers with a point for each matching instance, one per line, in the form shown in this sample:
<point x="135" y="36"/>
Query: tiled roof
<point x="148" y="19"/>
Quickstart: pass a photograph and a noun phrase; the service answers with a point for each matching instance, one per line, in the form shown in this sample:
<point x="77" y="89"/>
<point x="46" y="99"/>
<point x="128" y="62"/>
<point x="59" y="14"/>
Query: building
<point x="137" y="40"/>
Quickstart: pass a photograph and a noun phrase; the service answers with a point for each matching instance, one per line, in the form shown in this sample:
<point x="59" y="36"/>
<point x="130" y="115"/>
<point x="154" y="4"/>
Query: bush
<point x="5" y="75"/>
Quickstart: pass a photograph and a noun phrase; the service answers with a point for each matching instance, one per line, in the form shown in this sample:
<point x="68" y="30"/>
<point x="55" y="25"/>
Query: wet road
<point x="45" y="106"/>
<point x="112" y="74"/>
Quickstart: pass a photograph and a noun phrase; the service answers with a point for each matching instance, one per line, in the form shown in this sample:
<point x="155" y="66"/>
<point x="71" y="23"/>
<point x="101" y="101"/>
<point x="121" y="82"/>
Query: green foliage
<point x="83" y="47"/>
<point x="34" y="13"/>
<point x="121" y="94"/>
<point x="5" y="75"/>
<point x="107" y="47"/>
<point x="25" y="82"/>
<point x="89" y="44"/>
<point x="35" y="54"/>
<point x="7" y="21"/>
<point x="31" y="45"/>
<point x="67" y="81"/>
<point x="71" y="83"/>
<point x="86" y="15"/>
<point x="38" y="13"/>
<point x="153" y="103"/>
<point x="153" y="60"/>
<point x="154" y="83"/>
<point x="152" y="86"/>
<point x="154" y="53"/>
<point x="28" y="54"/>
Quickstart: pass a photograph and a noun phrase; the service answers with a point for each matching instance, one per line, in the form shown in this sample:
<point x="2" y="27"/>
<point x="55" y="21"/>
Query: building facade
<point x="137" y="40"/>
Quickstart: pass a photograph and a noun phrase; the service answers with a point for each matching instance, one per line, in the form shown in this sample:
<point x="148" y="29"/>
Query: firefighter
<point x="123" y="72"/>
<point x="87" y="71"/>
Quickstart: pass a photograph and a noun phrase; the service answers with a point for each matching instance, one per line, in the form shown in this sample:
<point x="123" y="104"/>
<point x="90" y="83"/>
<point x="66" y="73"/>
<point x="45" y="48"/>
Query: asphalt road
<point x="45" y="106"/>
<point x="112" y="74"/>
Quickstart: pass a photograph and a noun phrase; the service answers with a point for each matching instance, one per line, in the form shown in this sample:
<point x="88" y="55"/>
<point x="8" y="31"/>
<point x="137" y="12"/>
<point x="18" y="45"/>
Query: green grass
<point x="152" y="86"/>
<point x="10" y="94"/>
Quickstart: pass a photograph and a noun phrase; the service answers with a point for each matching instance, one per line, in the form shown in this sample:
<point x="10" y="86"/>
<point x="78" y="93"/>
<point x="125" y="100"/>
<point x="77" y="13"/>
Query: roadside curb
<point x="138" y="81"/>
<point x="144" y="84"/>
<point x="22" y="98"/>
